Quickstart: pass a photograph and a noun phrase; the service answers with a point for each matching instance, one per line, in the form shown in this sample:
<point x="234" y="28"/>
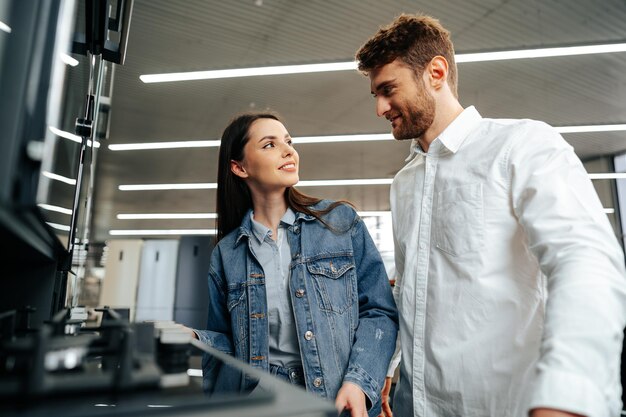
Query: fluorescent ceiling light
<point x="149" y="187"/>
<point x="216" y="143"/>
<point x="4" y="27"/>
<point x="194" y="372"/>
<point x="330" y="183"/>
<point x="607" y="175"/>
<point x="154" y="232"/>
<point x="57" y="177"/>
<point x="374" y="213"/>
<point x="69" y="60"/>
<point x="331" y="138"/>
<point x="609" y="210"/>
<point x="248" y="72"/>
<point x="541" y="52"/>
<point x="213" y="185"/>
<point x="71" y="136"/>
<point x="167" y="216"/>
<point x="163" y="216"/>
<point x="57" y="209"/>
<point x="57" y="226"/>
<point x="351" y="65"/>
<point x="165" y="145"/>
<point x="591" y="128"/>
<point x="344" y="138"/>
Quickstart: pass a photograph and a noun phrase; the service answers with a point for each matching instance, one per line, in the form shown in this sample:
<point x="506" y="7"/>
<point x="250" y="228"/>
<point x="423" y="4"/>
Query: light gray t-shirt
<point x="274" y="257"/>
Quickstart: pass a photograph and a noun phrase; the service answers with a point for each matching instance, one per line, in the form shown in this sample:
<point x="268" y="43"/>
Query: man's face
<point x="402" y="98"/>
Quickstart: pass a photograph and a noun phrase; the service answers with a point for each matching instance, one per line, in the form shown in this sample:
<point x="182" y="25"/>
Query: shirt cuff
<point x="568" y="392"/>
<point x="370" y="388"/>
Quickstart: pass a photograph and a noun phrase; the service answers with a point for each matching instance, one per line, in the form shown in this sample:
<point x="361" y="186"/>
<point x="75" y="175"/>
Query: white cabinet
<point x="157" y="280"/>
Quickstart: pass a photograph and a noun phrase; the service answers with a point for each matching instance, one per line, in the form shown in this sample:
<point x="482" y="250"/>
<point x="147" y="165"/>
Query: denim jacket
<point x="346" y="319"/>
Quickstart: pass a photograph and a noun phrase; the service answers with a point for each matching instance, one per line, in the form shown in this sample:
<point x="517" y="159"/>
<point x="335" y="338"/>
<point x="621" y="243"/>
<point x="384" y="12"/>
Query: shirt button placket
<point x="421" y="283"/>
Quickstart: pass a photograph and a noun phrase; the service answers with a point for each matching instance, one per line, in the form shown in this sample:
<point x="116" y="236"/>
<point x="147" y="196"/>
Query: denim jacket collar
<point x="245" y="230"/>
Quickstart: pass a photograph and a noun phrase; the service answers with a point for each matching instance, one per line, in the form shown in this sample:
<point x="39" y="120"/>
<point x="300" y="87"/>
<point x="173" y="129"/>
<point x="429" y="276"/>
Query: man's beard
<point x="417" y="117"/>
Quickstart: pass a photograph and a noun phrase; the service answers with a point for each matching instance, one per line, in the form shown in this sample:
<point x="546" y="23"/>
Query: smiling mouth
<point x="288" y="167"/>
<point x="393" y="120"/>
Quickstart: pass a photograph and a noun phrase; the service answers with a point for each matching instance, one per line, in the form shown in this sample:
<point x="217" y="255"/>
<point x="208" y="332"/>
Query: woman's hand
<point x="350" y="397"/>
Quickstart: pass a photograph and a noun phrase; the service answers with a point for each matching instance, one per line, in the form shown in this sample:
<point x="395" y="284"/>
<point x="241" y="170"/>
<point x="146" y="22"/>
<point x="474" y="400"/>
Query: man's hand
<point x="384" y="397"/>
<point x="351" y="397"/>
<point x="549" y="412"/>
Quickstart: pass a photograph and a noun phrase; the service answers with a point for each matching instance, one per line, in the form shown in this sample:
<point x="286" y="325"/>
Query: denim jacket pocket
<point x="235" y="302"/>
<point x="334" y="278"/>
<point x="459" y="221"/>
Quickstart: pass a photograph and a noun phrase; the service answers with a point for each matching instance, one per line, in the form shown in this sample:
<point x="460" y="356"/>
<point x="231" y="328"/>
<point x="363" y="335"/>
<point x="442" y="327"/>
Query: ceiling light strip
<point x="56" y="209"/>
<point x="174" y="216"/>
<point x="248" y="72"/>
<point x="332" y="138"/>
<point x="165" y="145"/>
<point x="71" y="136"/>
<point x="591" y="128"/>
<point x="608" y="175"/>
<point x="150" y="187"/>
<point x="213" y="185"/>
<point x="351" y="65"/>
<point x="541" y="53"/>
<point x="156" y="232"/>
<point x="311" y="183"/>
<point x="165" y="216"/>
<point x="57" y="177"/>
<point x="62" y="227"/>
<point x="4" y="27"/>
<point x="69" y="60"/>
<point x="331" y="183"/>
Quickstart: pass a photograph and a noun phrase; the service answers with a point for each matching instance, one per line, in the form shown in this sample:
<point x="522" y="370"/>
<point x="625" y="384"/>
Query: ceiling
<point x="176" y="36"/>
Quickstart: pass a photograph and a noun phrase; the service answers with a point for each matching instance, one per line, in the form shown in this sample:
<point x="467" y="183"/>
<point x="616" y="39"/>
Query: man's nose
<point x="382" y="106"/>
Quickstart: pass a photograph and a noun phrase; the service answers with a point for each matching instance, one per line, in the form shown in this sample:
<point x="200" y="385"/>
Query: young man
<point x="510" y="283"/>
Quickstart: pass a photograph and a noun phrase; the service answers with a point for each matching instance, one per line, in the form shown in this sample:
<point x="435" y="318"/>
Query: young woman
<point x="296" y="284"/>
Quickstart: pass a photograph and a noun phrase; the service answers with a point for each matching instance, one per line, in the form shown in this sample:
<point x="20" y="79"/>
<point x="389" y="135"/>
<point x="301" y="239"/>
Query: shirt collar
<point x="453" y="136"/>
<point x="260" y="231"/>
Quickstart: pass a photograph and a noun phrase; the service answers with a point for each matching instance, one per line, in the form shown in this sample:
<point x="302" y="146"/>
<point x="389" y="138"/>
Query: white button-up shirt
<point x="511" y="283"/>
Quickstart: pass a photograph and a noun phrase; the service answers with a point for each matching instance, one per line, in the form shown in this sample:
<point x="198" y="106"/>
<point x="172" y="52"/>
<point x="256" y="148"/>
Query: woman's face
<point x="270" y="163"/>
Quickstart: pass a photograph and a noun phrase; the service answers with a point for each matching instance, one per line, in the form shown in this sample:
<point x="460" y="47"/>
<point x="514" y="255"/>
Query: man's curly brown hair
<point x="414" y="39"/>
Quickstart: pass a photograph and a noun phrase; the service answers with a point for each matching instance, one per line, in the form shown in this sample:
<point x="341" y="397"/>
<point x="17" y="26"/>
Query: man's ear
<point x="437" y="71"/>
<point x="238" y="169"/>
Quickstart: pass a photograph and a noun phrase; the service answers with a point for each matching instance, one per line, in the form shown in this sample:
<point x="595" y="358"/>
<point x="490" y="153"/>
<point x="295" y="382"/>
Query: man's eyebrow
<point x="382" y="85"/>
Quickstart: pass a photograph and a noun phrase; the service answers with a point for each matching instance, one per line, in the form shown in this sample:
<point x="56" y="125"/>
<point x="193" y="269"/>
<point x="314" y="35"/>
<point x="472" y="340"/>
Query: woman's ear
<point x="238" y="169"/>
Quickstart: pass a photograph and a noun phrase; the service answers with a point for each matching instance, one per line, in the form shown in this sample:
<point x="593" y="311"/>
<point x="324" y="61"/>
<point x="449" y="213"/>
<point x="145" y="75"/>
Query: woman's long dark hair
<point x="233" y="196"/>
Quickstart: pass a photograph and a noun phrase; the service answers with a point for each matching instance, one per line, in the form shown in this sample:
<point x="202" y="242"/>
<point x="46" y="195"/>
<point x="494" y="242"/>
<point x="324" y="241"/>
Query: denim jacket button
<point x="299" y="293"/>
<point x="308" y="335"/>
<point x="317" y="382"/>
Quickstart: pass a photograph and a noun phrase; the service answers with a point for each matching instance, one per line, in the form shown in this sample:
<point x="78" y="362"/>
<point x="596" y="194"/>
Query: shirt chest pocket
<point x="459" y="220"/>
<point x="334" y="279"/>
